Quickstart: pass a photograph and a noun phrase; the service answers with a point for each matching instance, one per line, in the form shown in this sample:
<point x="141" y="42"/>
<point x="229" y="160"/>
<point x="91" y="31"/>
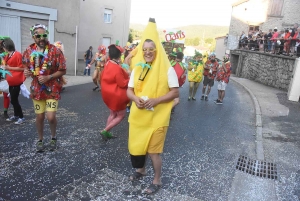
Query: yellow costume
<point x="195" y="73"/>
<point x="143" y="123"/>
<point x="205" y="57"/>
<point x="133" y="53"/>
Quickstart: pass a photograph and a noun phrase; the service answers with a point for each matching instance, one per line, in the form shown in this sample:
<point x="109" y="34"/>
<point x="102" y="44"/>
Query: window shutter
<point x="276" y="7"/>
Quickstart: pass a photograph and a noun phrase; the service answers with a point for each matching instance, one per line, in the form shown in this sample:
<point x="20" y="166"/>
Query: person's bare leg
<point x="157" y="165"/>
<point x="39" y="122"/>
<point x="191" y="89"/>
<point x="95" y="79"/>
<point x="222" y="95"/>
<point x="203" y="90"/>
<point x="196" y="85"/>
<point x="208" y="90"/>
<point x="111" y="116"/>
<point x="219" y="94"/>
<point x="95" y="76"/>
<point x="116" y="120"/>
<point x="51" y="117"/>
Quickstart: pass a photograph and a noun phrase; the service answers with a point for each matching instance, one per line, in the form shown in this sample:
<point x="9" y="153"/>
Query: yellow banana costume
<point x="143" y="123"/>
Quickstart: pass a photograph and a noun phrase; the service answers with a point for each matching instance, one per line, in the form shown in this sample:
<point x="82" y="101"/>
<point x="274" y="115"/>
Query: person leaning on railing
<point x="260" y="41"/>
<point x="293" y="37"/>
<point x="287" y="43"/>
<point x="242" y="40"/>
<point x="274" y="40"/>
<point x="280" y="41"/>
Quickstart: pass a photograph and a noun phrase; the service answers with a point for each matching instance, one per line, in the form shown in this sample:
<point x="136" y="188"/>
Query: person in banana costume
<point x="195" y="74"/>
<point x="152" y="87"/>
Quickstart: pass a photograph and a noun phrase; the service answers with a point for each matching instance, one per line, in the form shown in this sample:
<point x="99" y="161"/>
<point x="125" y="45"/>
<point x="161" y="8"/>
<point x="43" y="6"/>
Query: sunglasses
<point x="41" y="35"/>
<point x="149" y="50"/>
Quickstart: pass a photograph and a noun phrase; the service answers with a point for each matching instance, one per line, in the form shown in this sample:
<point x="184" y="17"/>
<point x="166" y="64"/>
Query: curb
<point x="258" y="123"/>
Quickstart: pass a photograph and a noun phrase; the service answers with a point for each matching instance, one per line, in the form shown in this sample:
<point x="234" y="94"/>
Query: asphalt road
<point x="203" y="144"/>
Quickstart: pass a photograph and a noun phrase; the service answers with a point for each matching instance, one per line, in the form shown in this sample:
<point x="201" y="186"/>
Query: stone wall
<point x="271" y="70"/>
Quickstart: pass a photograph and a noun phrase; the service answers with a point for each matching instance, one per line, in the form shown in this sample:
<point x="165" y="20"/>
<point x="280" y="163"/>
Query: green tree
<point x="196" y="41"/>
<point x="188" y="42"/>
<point x="130" y="37"/>
<point x="209" y="40"/>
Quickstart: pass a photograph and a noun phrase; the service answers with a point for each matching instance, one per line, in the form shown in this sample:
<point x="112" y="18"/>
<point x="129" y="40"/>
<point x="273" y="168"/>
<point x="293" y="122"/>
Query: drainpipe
<point x="76" y="48"/>
<point x="124" y="36"/>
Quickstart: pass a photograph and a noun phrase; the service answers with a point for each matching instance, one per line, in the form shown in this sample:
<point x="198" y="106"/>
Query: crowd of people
<point x="142" y="78"/>
<point x="208" y="71"/>
<point x="281" y="42"/>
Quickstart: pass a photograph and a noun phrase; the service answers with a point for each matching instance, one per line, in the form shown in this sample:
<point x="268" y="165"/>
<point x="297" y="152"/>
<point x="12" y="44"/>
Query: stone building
<point x="261" y="14"/>
<point x="221" y="46"/>
<point x="77" y="23"/>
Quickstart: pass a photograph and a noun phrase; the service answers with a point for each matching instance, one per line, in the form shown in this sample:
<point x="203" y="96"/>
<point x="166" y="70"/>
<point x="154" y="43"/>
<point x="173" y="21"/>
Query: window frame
<point x="107" y="16"/>
<point x="253" y="28"/>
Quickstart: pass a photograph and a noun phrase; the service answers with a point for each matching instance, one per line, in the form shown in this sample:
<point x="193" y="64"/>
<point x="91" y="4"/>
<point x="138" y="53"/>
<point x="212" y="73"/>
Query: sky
<point x="175" y="13"/>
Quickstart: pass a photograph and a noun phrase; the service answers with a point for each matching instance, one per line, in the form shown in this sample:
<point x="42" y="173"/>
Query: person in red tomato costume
<point x="13" y="63"/>
<point x="114" y="82"/>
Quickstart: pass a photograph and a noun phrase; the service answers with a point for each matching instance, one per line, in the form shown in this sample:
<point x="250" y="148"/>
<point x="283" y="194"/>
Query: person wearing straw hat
<point x="152" y="87"/>
<point x="195" y="74"/>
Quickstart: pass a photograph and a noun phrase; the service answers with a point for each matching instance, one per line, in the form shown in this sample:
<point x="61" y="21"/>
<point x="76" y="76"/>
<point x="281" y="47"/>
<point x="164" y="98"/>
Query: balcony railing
<point x="279" y="47"/>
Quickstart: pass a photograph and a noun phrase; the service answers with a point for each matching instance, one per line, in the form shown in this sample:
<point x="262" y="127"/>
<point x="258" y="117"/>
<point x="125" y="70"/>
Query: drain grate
<point x="257" y="168"/>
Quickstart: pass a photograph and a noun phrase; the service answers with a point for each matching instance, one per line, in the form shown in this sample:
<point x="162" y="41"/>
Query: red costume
<point x="114" y="82"/>
<point x="180" y="70"/>
<point x="17" y="77"/>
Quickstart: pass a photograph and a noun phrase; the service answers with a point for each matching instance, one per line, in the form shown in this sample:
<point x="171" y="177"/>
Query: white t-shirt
<point x="172" y="79"/>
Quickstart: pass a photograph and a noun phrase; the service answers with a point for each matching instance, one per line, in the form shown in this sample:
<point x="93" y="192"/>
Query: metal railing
<point x="278" y="47"/>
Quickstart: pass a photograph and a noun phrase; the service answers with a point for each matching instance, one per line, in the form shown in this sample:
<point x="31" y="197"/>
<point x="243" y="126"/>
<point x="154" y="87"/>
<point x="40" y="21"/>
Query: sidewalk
<point x="277" y="138"/>
<point x="71" y="80"/>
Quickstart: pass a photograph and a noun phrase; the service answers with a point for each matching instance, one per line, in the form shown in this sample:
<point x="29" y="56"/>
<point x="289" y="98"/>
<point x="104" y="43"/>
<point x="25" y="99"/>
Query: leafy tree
<point x="209" y="40"/>
<point x="196" y="41"/>
<point x="188" y="42"/>
<point x="130" y="37"/>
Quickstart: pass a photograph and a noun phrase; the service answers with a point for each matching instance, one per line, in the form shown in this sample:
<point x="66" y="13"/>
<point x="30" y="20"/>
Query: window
<point x="107" y="15"/>
<point x="253" y="28"/>
<point x="276" y="8"/>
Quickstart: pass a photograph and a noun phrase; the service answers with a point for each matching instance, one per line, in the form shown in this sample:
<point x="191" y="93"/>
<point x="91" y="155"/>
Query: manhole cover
<point x="257" y="168"/>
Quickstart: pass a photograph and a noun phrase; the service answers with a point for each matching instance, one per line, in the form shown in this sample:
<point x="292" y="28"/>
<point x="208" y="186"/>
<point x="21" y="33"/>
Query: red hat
<point x="118" y="47"/>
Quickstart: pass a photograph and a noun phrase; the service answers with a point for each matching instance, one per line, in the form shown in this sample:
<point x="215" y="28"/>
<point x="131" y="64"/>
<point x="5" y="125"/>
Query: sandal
<point x="94" y="89"/>
<point x="153" y="189"/>
<point x="136" y="176"/>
